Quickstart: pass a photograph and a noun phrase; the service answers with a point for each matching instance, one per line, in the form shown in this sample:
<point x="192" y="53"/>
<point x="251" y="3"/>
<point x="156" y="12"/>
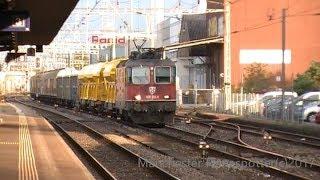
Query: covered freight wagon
<point x="67" y="87"/>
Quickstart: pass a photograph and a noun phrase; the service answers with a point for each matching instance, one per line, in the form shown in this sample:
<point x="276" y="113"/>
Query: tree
<point x="256" y="79"/>
<point x="309" y="80"/>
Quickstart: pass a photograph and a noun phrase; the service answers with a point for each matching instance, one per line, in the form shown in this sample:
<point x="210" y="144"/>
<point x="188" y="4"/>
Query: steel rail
<point x="157" y="150"/>
<point x="224" y="125"/>
<point x="102" y="171"/>
<point x="232" y="156"/>
<point x="274" y="136"/>
<point x="93" y="161"/>
<point x="310" y="166"/>
<point x="306" y="138"/>
<point x="265" y="168"/>
<point x="133" y="155"/>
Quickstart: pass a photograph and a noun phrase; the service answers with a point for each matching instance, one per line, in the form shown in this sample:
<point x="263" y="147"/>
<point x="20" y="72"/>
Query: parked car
<point x="272" y="108"/>
<point x="270" y="102"/>
<point x="272" y="95"/>
<point x="309" y="111"/>
<point x="305" y="107"/>
<point x="318" y="118"/>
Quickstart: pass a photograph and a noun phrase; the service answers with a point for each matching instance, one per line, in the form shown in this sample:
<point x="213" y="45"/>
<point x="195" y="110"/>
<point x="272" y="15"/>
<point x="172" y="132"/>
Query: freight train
<point x="140" y="89"/>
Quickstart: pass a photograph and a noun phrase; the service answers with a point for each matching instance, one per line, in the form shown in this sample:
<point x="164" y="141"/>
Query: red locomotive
<point x="148" y="94"/>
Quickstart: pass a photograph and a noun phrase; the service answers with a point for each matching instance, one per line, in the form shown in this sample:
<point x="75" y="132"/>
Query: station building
<point x="198" y="67"/>
<point x="256" y="37"/>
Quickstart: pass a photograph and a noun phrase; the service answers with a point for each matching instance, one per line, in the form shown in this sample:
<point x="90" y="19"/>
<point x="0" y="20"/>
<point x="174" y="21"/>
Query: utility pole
<point x="283" y="69"/>
<point x="114" y="35"/>
<point x="227" y="54"/>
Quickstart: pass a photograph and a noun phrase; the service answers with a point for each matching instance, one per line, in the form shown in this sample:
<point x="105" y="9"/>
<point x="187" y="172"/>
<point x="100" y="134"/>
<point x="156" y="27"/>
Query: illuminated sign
<point x="15" y="21"/>
<point x="104" y="40"/>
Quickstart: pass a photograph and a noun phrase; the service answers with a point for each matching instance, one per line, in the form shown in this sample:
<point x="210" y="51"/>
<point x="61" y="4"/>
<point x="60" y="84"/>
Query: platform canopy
<point x="46" y="19"/>
<point x="91" y="71"/>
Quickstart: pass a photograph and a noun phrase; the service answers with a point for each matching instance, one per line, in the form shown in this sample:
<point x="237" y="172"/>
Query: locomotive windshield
<point x="162" y="74"/>
<point x="140" y="75"/>
<point x="173" y="74"/>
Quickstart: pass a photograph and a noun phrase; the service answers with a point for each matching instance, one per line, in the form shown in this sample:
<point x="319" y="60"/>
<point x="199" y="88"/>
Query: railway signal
<point x="204" y="146"/>
<point x="266" y="135"/>
<point x="188" y="119"/>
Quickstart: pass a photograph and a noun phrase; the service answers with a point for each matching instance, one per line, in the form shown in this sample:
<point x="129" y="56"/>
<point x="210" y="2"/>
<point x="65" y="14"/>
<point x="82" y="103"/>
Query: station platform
<point x="30" y="148"/>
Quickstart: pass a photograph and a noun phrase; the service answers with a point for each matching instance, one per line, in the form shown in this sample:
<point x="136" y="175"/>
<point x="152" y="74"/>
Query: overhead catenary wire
<point x="278" y="20"/>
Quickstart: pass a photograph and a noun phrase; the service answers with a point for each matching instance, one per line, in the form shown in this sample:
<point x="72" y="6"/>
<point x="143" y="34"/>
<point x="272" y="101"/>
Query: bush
<point x="309" y="80"/>
<point x="256" y="79"/>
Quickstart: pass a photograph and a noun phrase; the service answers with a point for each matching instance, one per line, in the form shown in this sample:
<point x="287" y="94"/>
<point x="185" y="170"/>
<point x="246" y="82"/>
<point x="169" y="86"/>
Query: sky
<point x="105" y="22"/>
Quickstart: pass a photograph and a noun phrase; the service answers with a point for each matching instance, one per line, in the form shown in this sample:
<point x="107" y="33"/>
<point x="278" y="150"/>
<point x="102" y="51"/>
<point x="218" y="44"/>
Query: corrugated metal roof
<point x="110" y="67"/>
<point x="68" y="72"/>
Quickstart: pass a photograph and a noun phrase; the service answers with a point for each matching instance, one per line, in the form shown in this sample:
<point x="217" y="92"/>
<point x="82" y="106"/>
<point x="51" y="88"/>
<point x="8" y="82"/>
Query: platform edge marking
<point x="27" y="166"/>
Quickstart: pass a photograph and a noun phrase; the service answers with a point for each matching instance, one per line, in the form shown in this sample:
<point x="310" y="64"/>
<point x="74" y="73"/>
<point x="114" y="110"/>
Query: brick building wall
<point x="256" y="31"/>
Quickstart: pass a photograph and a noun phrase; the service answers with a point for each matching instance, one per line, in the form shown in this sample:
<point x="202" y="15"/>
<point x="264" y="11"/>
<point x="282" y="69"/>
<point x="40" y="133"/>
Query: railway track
<point x="193" y="138"/>
<point x="310" y="170"/>
<point x="255" y="159"/>
<point x="294" y="138"/>
<point x="288" y="136"/>
<point x="187" y="154"/>
<point x="181" y="153"/>
<point x="111" y="160"/>
<point x="163" y="147"/>
<point x="230" y="131"/>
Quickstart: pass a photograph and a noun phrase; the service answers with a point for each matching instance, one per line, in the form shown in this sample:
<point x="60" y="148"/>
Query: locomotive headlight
<point x="166" y="96"/>
<point x="138" y="97"/>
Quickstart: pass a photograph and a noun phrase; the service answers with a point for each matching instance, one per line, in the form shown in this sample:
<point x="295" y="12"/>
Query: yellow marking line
<point x="27" y="166"/>
<point x="8" y="143"/>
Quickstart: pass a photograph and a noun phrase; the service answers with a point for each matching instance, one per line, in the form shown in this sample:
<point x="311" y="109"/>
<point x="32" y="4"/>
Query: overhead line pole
<point x="283" y="69"/>
<point x="227" y="54"/>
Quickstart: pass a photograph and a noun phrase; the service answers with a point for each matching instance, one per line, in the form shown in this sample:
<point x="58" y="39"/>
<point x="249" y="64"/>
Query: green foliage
<point x="303" y="83"/>
<point x="314" y="72"/>
<point x="309" y="80"/>
<point x="256" y="79"/>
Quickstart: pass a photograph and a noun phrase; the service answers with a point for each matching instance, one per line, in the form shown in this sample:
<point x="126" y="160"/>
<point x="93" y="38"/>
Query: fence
<point x="242" y="104"/>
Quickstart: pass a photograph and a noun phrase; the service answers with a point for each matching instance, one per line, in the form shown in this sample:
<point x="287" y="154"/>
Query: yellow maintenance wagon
<point x="97" y="86"/>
